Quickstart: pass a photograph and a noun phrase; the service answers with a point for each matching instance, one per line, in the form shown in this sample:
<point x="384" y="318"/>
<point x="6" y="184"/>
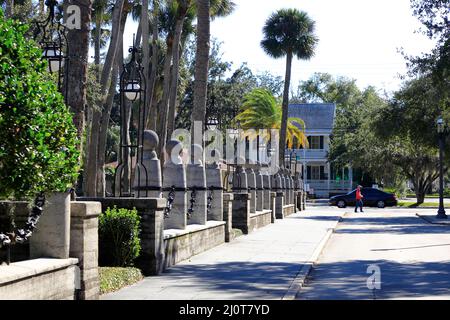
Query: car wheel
<point x="341" y="204"/>
<point x="381" y="204"/>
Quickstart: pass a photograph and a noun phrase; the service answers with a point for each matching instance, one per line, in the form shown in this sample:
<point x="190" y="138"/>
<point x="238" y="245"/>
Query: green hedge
<point x="38" y="140"/>
<point x="119" y="243"/>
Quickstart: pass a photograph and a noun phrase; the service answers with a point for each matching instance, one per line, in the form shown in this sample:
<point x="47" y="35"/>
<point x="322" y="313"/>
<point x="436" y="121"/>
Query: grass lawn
<point x="412" y="204"/>
<point x="115" y="278"/>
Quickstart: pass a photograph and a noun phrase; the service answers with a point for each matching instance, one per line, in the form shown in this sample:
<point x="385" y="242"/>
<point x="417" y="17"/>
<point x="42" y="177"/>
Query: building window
<point x="316" y="173"/>
<point x="316" y="142"/>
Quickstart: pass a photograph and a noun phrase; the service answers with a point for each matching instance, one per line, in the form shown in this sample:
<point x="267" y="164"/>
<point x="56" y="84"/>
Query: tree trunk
<point x="92" y="163"/>
<point x="174" y="76"/>
<point x="151" y="110"/>
<point x="163" y="105"/>
<point x="97" y="40"/>
<point x="285" y="108"/>
<point x="78" y="41"/>
<point x="103" y="134"/>
<point x="201" y="62"/>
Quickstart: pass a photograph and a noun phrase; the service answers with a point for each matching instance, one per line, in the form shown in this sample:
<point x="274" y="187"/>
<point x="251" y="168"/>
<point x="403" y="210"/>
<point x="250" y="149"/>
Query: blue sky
<point x="357" y="38"/>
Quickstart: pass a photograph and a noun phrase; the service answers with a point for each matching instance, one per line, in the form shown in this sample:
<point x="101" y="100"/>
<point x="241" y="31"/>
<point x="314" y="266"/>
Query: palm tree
<point x="260" y="110"/>
<point x="288" y="32"/>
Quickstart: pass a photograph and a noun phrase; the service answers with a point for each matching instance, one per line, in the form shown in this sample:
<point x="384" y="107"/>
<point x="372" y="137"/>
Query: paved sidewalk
<point x="262" y="265"/>
<point x="413" y="257"/>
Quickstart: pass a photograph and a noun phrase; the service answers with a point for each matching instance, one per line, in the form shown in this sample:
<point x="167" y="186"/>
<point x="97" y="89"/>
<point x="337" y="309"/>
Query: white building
<point x="323" y="180"/>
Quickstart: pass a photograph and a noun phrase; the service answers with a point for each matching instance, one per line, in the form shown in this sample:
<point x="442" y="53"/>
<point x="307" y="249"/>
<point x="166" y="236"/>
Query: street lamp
<point x="441" y="211"/>
<point x="132" y="93"/>
<point x="51" y="35"/>
<point x="212" y="123"/>
<point x="440" y="127"/>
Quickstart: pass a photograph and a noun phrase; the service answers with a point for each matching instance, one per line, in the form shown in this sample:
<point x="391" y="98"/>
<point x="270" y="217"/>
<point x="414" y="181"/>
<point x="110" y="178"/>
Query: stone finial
<point x="150" y="143"/>
<point x="173" y="150"/>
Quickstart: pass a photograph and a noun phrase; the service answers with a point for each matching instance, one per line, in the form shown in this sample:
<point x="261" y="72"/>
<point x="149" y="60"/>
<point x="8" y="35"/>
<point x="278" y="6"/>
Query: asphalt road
<point x="411" y="255"/>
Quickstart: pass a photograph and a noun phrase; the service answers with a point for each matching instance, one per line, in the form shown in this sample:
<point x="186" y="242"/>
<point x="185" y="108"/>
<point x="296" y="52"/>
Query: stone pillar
<point x="196" y="182"/>
<point x="215" y="192"/>
<point x="259" y="190"/>
<point x="291" y="182"/>
<point x="240" y="184"/>
<point x="228" y="215"/>
<point x="51" y="238"/>
<point x="279" y="204"/>
<point x="149" y="185"/>
<point x="284" y="186"/>
<point x="273" y="208"/>
<point x="84" y="246"/>
<point x="251" y="178"/>
<point x="175" y="179"/>
<point x="241" y="211"/>
<point x="266" y="192"/>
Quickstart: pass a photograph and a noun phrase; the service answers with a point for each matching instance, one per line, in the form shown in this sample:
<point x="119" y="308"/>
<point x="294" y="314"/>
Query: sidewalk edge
<point x="299" y="280"/>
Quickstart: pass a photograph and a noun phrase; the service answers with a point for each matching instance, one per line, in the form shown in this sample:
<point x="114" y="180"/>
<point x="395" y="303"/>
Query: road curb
<point x="299" y="280"/>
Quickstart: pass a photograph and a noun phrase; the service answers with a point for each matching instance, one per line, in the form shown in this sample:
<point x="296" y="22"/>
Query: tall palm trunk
<point x="201" y="61"/>
<point x="78" y="41"/>
<point x="164" y="104"/>
<point x="285" y="107"/>
<point x="151" y="110"/>
<point x="92" y="158"/>
<point x="107" y="107"/>
<point x="97" y="40"/>
<point x="174" y="74"/>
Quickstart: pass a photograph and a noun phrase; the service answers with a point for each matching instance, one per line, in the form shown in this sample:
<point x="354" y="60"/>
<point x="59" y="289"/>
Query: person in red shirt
<point x="359" y="197"/>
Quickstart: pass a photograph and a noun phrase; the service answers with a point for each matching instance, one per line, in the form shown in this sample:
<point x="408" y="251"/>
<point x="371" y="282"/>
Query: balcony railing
<point x="314" y="153"/>
<point x="333" y="185"/>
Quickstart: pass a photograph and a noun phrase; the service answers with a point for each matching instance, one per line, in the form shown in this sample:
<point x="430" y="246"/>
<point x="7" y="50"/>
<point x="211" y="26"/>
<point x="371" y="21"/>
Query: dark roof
<point x="317" y="116"/>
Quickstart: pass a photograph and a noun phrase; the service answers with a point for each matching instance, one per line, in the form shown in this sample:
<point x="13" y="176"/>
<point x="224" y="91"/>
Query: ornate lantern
<point x="132" y="100"/>
<point x="51" y="35"/>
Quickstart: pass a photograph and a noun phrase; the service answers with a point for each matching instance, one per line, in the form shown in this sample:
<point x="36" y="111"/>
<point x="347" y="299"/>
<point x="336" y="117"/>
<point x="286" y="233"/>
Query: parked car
<point x="371" y="197"/>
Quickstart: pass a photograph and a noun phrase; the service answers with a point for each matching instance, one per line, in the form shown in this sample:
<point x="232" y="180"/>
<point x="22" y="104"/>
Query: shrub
<point x="38" y="140"/>
<point x="119" y="243"/>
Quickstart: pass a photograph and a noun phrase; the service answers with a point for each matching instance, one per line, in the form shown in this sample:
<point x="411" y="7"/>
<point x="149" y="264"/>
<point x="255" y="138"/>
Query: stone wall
<point x="182" y="244"/>
<point x="52" y="278"/>
<point x="260" y="219"/>
<point x="39" y="279"/>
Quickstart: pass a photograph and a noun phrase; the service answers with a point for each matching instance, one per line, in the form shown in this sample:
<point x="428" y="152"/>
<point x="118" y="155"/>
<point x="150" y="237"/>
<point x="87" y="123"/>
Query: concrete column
<point x="273" y="196"/>
<point x="51" y="238"/>
<point x="174" y="174"/>
<point x="291" y="181"/>
<point x="279" y="204"/>
<point x="241" y="211"/>
<point x="251" y="178"/>
<point x="266" y="192"/>
<point x="196" y="180"/>
<point x="84" y="246"/>
<point x="149" y="182"/>
<point x="215" y="192"/>
<point x="240" y="183"/>
<point x="228" y="215"/>
<point x="259" y="190"/>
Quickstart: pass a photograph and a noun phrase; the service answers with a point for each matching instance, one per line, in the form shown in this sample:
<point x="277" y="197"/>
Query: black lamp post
<point x="441" y="211"/>
<point x="132" y="93"/>
<point x="51" y="35"/>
